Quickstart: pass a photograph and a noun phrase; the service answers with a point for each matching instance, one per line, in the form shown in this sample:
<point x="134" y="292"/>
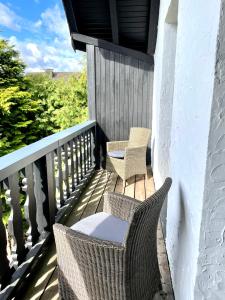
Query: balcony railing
<point x="40" y="184"/>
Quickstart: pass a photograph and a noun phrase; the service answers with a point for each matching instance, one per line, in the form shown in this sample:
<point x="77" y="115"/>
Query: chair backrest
<point x="142" y="271"/>
<point x="139" y="136"/>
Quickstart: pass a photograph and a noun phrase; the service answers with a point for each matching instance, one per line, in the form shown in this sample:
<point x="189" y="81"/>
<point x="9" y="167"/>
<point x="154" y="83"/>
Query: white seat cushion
<point x="103" y="226"/>
<point x="117" y="154"/>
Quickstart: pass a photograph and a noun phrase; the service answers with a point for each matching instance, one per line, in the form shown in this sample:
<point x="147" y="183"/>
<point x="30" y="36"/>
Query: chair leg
<point x="146" y="174"/>
<point x="124" y="183"/>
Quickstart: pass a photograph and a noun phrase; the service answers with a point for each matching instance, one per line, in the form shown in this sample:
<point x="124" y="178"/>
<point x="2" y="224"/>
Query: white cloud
<point x="8" y="18"/>
<point x="49" y="45"/>
<point x="39" y="56"/>
<point x="54" y="21"/>
<point x="38" y="24"/>
<point x="33" y="48"/>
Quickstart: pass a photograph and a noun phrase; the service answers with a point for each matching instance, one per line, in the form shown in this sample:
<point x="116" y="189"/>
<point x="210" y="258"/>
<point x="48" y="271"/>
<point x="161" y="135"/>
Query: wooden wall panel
<point x="119" y="93"/>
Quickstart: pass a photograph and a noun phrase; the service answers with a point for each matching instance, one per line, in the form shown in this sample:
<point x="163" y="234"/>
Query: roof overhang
<point x="125" y="26"/>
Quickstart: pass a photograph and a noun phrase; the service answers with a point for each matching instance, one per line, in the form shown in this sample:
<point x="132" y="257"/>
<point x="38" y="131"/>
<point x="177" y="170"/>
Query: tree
<point x="17" y="110"/>
<point x="70" y="100"/>
<point x="42" y="89"/>
<point x="11" y="67"/>
<point x="63" y="101"/>
<point x="34" y="106"/>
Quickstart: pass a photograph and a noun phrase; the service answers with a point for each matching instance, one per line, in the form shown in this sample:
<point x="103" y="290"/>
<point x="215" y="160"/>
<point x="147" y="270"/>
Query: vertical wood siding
<point x="119" y="93"/>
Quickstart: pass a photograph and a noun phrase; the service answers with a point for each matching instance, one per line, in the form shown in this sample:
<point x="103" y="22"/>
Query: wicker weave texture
<point x="88" y="268"/>
<point x="120" y="206"/>
<point x="142" y="270"/>
<point x="94" y="269"/>
<point x="134" y="162"/>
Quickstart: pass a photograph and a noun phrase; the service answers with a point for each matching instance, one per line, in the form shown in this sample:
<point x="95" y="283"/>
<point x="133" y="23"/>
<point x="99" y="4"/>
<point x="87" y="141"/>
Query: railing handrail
<point x="18" y="159"/>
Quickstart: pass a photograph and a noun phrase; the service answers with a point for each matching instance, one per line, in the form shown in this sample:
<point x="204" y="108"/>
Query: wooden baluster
<point x="15" y="223"/>
<point x="51" y="187"/>
<point x="66" y="172"/>
<point x="30" y="206"/>
<point x="40" y="196"/>
<point x="60" y="197"/>
<point x="89" y="149"/>
<point x="64" y="176"/>
<point x="5" y="271"/>
<point x="77" y="160"/>
<point x="57" y="195"/>
<point x="95" y="155"/>
<point x="84" y="154"/>
<point x="71" y="167"/>
<point x="80" y="157"/>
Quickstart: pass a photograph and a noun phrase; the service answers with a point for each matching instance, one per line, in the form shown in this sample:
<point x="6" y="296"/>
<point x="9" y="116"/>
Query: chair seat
<point x="117" y="154"/>
<point x="103" y="226"/>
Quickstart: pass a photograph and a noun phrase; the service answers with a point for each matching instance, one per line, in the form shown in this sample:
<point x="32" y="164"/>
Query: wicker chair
<point x="91" y="268"/>
<point x="134" y="161"/>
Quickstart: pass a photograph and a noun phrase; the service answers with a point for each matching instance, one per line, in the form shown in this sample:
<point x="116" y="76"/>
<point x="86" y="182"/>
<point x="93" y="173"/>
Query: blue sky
<point x="39" y="31"/>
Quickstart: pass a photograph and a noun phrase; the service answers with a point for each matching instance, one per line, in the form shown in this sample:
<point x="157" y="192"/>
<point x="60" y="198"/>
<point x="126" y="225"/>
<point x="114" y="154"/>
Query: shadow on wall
<point x="126" y="60"/>
<point x="180" y="244"/>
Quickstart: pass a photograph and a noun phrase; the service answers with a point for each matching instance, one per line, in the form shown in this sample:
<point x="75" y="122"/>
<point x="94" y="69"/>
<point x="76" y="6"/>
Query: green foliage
<point x="17" y="113"/>
<point x="63" y="101"/>
<point x="34" y="106"/>
<point x="70" y="100"/>
<point x="11" y="67"/>
<point x="17" y="110"/>
<point x="41" y="87"/>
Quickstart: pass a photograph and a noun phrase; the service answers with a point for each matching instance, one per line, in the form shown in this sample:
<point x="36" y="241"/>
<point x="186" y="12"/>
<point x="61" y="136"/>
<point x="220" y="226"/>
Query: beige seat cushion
<point x="103" y="226"/>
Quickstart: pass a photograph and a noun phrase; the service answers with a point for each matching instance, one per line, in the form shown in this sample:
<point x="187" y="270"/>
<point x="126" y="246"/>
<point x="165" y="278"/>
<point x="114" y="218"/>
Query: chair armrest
<point x="116" y="145"/>
<point x="120" y="206"/>
<point x="134" y="153"/>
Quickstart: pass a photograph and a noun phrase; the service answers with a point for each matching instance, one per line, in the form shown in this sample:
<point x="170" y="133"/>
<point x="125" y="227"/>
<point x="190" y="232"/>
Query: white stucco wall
<point x="164" y="86"/>
<point x="191" y="107"/>
<point x="210" y="283"/>
<point x="159" y="77"/>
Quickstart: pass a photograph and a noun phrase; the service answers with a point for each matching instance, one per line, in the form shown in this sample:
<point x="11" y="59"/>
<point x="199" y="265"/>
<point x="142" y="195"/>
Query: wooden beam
<point x="68" y="8"/>
<point x="114" y="21"/>
<point x="91" y="81"/>
<point x="153" y="26"/>
<point x="112" y="47"/>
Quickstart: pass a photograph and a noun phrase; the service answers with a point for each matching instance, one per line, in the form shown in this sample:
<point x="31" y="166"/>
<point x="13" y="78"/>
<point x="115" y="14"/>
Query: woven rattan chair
<point x="92" y="268"/>
<point x="134" y="161"/>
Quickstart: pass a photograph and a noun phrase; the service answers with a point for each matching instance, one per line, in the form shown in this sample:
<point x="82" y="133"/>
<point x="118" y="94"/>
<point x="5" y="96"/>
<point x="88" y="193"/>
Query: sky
<point x="39" y="31"/>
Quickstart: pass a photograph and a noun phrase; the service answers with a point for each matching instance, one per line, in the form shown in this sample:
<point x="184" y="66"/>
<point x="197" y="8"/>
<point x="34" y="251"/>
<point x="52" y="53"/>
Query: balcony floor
<point x="45" y="284"/>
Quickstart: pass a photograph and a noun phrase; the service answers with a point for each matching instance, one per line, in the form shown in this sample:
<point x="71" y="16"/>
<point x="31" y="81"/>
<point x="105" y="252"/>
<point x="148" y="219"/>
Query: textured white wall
<point x="164" y="84"/>
<point x="159" y="75"/>
<point x="193" y="93"/>
<point x="210" y="283"/>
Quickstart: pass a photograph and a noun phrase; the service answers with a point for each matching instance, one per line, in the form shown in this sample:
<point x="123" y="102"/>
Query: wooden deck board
<point x="45" y="284"/>
<point x="149" y="184"/>
<point x="140" y="193"/>
<point x="38" y="285"/>
<point x="110" y="187"/>
<point x="78" y="211"/>
<point x="130" y="187"/>
<point x="96" y="196"/>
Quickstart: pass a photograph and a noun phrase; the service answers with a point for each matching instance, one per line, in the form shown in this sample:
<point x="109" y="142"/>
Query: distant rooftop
<point x="54" y="75"/>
